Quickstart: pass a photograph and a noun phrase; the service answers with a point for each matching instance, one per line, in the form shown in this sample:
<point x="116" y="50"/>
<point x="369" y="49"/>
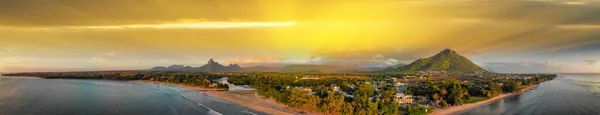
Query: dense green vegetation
<point x="188" y="78"/>
<point x="292" y="91"/>
<point x="419" y="110"/>
<point x="454" y="92"/>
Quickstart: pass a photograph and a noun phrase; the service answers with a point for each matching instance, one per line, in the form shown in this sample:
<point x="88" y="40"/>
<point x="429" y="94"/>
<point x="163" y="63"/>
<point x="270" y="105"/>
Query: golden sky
<point x="73" y="35"/>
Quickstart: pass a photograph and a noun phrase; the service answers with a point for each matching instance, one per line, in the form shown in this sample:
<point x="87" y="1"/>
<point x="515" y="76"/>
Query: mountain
<point x="321" y="68"/>
<point x="213" y="66"/>
<point x="210" y="66"/>
<point x="447" y="60"/>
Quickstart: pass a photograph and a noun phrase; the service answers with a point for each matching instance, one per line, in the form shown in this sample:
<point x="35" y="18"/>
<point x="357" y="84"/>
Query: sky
<point x="525" y="36"/>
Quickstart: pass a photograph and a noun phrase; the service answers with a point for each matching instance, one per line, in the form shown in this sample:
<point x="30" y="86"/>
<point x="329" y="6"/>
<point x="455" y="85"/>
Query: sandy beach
<point x="455" y="109"/>
<point x="244" y="98"/>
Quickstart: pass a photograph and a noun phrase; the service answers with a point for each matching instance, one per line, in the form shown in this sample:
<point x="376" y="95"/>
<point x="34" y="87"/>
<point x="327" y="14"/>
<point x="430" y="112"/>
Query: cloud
<point x="333" y="32"/>
<point x="579" y="26"/>
<point x="380" y="61"/>
<point x="259" y="61"/>
<point x="104" y="57"/>
<point x="575" y="3"/>
<point x="529" y="67"/>
<point x="187" y="25"/>
<point x="590" y="62"/>
<point x="20" y="68"/>
<point x="255" y="59"/>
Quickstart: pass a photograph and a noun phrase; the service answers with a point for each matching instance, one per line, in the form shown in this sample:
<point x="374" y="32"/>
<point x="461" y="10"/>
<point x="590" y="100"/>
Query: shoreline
<point x="456" y="109"/>
<point x="231" y="97"/>
<point x="182" y="86"/>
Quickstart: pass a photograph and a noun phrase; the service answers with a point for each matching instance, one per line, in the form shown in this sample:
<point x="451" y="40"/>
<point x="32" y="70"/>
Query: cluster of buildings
<point x="499" y="76"/>
<point x="400" y="84"/>
<point x="433" y="73"/>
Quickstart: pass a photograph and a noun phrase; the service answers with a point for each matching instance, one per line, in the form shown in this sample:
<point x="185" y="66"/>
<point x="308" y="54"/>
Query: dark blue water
<point x="34" y="96"/>
<point x="568" y="94"/>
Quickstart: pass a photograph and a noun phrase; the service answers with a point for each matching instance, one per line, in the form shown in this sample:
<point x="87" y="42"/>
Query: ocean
<point x="568" y="94"/>
<point x="35" y="96"/>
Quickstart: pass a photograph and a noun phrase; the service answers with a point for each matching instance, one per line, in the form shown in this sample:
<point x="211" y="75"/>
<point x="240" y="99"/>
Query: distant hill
<point x="172" y="68"/>
<point x="372" y="69"/>
<point x="447" y="60"/>
<point x="210" y="66"/>
<point x="261" y="69"/>
<point x="321" y="68"/>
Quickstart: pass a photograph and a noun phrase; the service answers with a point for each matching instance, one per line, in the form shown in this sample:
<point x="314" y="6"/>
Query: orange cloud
<point x="255" y="59"/>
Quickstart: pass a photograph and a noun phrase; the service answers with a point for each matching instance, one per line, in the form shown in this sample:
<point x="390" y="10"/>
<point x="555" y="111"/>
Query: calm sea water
<point x="568" y="94"/>
<point x="34" y="96"/>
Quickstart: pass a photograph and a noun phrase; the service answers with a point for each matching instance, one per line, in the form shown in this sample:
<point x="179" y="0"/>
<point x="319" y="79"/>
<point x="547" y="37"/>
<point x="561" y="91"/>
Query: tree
<point x="512" y="86"/>
<point x="387" y="105"/>
<point x="363" y="104"/>
<point x="388" y="108"/>
<point x="348" y="109"/>
<point x="366" y="90"/>
<point x="493" y="90"/>
<point x="419" y="110"/>
<point x="458" y="95"/>
<point x="388" y="93"/>
<point x="333" y="103"/>
<point x="443" y="104"/>
<point x="436" y="96"/>
<point x="302" y="99"/>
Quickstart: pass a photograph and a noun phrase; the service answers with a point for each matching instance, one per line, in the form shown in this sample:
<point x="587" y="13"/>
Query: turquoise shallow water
<point x="568" y="94"/>
<point x="34" y="96"/>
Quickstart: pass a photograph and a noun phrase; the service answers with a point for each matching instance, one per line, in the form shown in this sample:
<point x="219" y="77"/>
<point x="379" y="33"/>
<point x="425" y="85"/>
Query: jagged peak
<point x="448" y="51"/>
<point x="211" y="61"/>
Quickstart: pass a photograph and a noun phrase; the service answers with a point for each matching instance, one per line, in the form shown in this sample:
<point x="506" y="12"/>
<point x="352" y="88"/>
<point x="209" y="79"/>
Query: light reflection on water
<point x="568" y="94"/>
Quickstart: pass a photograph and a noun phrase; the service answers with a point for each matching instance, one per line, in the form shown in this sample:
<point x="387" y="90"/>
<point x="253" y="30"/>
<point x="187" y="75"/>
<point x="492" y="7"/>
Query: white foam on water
<point x="210" y="111"/>
<point x="244" y="111"/>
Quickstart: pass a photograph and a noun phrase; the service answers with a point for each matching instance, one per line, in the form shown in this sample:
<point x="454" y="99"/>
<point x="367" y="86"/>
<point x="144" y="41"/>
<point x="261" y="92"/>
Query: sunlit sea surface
<point x="568" y="94"/>
<point x="35" y="96"/>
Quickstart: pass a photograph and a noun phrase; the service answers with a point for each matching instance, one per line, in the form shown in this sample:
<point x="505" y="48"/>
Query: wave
<point x="210" y="111"/>
<point x="595" y="91"/>
<point x="175" y="92"/>
<point x="20" y="77"/>
<point x="244" y="111"/>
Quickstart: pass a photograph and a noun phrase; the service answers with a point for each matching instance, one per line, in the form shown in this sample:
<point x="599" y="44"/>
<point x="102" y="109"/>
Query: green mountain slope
<point x="447" y="60"/>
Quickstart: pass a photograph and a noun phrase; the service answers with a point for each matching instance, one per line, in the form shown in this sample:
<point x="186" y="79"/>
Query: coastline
<point x="456" y="109"/>
<point x="264" y="105"/>
<point x="182" y="86"/>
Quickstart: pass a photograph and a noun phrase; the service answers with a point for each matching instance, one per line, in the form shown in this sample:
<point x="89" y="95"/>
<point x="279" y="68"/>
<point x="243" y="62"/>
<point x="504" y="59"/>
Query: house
<point x="404" y="99"/>
<point x="393" y="79"/>
<point x="399" y="84"/>
<point x="352" y="86"/>
<point x="213" y="85"/>
<point x="422" y="100"/>
<point x="336" y="88"/>
<point x="435" y="102"/>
